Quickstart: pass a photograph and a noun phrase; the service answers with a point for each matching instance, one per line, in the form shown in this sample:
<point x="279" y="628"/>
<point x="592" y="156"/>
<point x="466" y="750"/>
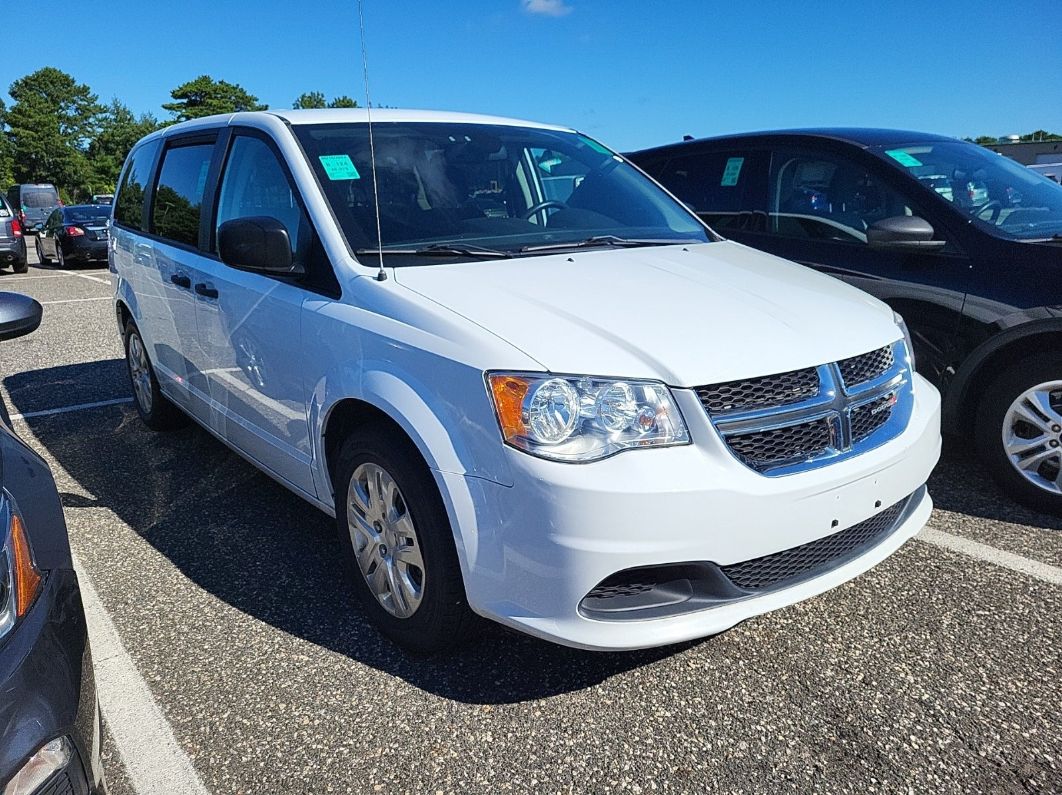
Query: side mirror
<point x="259" y="243"/>
<point x="903" y="232"/>
<point x="19" y="315"/>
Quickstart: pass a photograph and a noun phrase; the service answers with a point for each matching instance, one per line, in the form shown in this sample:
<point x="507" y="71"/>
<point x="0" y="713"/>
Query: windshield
<point x="503" y="188"/>
<point x="996" y="193"/>
<point x="86" y="215"/>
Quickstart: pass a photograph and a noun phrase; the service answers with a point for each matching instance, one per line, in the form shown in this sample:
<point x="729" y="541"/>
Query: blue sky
<point x="630" y="73"/>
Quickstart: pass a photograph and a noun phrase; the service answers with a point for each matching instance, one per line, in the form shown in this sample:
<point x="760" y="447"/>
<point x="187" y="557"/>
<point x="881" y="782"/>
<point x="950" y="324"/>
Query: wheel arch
<point x="988" y="360"/>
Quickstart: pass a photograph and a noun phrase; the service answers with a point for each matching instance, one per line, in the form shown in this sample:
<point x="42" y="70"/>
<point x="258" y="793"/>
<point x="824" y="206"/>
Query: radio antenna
<point x="381" y="275"/>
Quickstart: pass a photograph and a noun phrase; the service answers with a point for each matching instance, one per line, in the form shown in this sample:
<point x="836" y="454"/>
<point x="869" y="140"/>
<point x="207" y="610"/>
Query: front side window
<point x="506" y="188"/>
<point x="821" y="196"/>
<point x="129" y="204"/>
<point x="999" y="195"/>
<point x="254" y="184"/>
<point x="179" y="195"/>
<point x="723" y="188"/>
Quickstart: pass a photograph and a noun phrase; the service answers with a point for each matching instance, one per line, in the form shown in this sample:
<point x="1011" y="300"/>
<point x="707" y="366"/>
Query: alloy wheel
<point x="140" y="371"/>
<point x="385" y="540"/>
<point x="1032" y="435"/>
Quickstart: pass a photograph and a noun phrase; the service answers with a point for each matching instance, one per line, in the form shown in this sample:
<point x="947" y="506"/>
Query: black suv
<point x="964" y="243"/>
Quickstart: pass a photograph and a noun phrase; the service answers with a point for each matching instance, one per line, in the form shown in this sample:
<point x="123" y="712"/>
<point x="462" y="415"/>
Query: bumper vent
<point x="800" y="563"/>
<point x="803" y="419"/>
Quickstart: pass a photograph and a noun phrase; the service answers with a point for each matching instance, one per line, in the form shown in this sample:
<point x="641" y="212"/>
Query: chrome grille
<point x="802" y="419"/>
<point x="870" y="416"/>
<point x="751" y="393"/>
<point x="866" y="367"/>
<point x="799" y="563"/>
<point x="782" y="445"/>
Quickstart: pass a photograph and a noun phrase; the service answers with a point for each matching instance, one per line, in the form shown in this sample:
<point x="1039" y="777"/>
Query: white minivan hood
<point x="687" y="315"/>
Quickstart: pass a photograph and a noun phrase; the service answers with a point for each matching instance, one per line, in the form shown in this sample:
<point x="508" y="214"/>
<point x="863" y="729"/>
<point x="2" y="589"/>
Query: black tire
<point x="20" y="266"/>
<point x="40" y="251"/>
<point x="59" y="254"/>
<point x="160" y="414"/>
<point x="991" y="415"/>
<point x="443" y="619"/>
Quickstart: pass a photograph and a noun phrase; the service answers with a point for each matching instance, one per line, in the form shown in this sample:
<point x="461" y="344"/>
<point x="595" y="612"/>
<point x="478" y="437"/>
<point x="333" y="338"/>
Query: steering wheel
<point x="535" y="208"/>
<point x="994" y="204"/>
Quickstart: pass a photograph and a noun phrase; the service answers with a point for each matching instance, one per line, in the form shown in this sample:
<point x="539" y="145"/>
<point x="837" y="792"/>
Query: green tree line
<point x="56" y="130"/>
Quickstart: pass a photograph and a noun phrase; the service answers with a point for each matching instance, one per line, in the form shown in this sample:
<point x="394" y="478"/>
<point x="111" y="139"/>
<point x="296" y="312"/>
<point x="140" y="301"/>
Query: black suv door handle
<point x="205" y="290"/>
<point x="181" y="280"/>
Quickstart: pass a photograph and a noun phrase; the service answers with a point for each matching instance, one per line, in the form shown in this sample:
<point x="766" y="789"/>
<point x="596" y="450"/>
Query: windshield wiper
<point x="606" y="240"/>
<point x="442" y="250"/>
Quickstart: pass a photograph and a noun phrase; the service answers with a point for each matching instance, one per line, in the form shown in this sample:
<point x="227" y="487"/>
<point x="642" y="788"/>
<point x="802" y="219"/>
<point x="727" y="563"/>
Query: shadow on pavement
<point x="251" y="543"/>
<point x="960" y="484"/>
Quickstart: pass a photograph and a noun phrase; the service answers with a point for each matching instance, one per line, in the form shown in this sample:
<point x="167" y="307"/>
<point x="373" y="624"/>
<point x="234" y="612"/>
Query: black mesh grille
<point x="604" y="591"/>
<point x="760" y="449"/>
<point x="753" y="393"/>
<point x="798" y="563"/>
<point x="60" y="785"/>
<point x="865" y="367"/>
<point x="870" y="416"/>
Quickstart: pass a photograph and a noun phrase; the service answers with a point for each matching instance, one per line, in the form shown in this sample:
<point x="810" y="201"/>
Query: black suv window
<point x="255" y="184"/>
<point x="129" y="204"/>
<point x="179" y="194"/>
<point x="821" y="196"/>
<point x="39" y="198"/>
<point x="724" y="188"/>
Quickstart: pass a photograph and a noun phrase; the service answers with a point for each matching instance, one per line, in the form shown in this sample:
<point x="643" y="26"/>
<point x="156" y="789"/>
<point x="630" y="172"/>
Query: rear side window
<point x="726" y="189"/>
<point x="129" y="205"/>
<point x="39" y="197"/>
<point x="179" y="195"/>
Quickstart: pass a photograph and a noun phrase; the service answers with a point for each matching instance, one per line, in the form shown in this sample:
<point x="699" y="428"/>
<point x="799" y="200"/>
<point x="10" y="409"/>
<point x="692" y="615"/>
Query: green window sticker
<point x="903" y="158"/>
<point x="732" y="171"/>
<point x="595" y="145"/>
<point x="339" y="167"/>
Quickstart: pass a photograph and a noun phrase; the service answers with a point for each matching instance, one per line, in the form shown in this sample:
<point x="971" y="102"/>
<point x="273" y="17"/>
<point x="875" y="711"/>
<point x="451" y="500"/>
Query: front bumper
<point x="47" y="679"/>
<point x="532" y="552"/>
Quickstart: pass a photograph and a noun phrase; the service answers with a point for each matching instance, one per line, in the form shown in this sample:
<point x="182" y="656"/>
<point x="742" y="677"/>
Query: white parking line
<point x="75" y="407"/>
<point x="75" y="300"/>
<point x="1008" y="560"/>
<point x="153" y="759"/>
<point x="7" y="279"/>
<point x="86" y="276"/>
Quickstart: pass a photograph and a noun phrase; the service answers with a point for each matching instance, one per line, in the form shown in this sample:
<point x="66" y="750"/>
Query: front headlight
<point x="906" y="338"/>
<point x="583" y="418"/>
<point x="20" y="579"/>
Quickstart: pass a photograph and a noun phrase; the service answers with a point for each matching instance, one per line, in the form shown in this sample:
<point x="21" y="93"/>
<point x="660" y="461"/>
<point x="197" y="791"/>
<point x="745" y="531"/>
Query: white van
<point x="528" y="383"/>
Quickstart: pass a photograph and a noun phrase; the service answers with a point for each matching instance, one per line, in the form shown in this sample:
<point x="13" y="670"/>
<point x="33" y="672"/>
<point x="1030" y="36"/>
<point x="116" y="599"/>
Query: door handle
<point x="181" y="280"/>
<point x="205" y="290"/>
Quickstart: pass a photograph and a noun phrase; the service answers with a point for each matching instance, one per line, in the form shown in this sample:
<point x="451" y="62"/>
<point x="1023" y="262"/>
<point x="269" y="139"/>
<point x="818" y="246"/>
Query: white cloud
<point x="548" y="8"/>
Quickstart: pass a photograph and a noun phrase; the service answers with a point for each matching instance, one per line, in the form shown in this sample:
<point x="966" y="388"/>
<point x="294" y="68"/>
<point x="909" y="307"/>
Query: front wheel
<point x="157" y="412"/>
<point x="397" y="542"/>
<point x="1019" y="431"/>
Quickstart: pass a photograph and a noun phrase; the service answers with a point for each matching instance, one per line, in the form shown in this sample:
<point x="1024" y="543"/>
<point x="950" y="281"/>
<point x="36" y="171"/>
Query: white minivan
<point x="528" y="383"/>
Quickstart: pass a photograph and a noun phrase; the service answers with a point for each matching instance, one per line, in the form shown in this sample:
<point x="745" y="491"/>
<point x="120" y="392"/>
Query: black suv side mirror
<point x="903" y="231"/>
<point x="19" y="315"/>
<point x="259" y="243"/>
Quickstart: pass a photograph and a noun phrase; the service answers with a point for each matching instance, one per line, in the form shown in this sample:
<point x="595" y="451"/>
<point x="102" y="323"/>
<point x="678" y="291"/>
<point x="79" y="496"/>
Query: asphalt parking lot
<point x="219" y="594"/>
